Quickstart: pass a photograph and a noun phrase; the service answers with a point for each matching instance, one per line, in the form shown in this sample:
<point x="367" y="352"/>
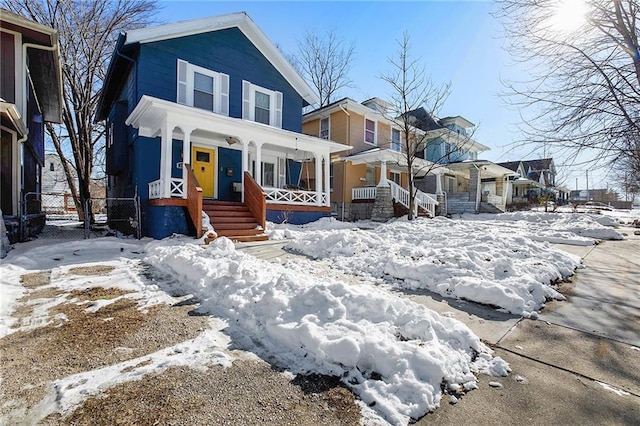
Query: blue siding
<point x="162" y="222"/>
<point x="227" y="51"/>
<point x="434" y="152"/>
<point x="295" y="218"/>
<point x="229" y="159"/>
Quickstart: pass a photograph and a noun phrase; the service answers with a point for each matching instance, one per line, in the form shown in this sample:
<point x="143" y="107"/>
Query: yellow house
<point x="376" y="152"/>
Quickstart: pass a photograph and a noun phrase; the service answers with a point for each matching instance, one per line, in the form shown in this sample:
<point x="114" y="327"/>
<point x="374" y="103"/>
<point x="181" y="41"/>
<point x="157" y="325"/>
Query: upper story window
<point x="369" y="131"/>
<point x="395" y="140"/>
<point x="202" y="88"/>
<point x="261" y="105"/>
<point x="324" y="128"/>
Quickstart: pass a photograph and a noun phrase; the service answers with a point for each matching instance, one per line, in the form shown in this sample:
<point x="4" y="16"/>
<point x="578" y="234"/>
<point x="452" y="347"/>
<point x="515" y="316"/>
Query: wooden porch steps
<point x="233" y="220"/>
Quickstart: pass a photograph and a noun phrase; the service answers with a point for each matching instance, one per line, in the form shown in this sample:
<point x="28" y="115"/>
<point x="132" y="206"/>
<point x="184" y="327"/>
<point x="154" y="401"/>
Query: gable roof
<point x="511" y="165"/>
<point x="244" y="23"/>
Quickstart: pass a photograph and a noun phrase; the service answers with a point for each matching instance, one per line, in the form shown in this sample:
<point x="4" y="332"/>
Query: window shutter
<point x="278" y="112"/>
<point x="246" y="100"/>
<point x="224" y="94"/>
<point x="182" y="82"/>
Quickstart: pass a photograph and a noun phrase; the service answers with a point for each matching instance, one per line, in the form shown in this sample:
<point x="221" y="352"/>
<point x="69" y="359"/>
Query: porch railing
<point x="255" y="199"/>
<point x="194" y="200"/>
<point x="176" y="189"/>
<point x="421" y="200"/>
<point x="364" y="193"/>
<point x="286" y="196"/>
<point x="427" y="202"/>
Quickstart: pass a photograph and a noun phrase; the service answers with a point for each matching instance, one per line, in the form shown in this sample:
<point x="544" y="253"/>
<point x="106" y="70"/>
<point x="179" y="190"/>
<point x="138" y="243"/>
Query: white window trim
<point x="375" y="132"/>
<point x="220" y="95"/>
<point x="249" y="102"/>
<point x="399" y="139"/>
<point x="328" y="128"/>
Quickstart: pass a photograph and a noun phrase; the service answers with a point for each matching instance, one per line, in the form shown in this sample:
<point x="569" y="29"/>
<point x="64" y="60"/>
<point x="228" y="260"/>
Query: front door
<point x="203" y="166"/>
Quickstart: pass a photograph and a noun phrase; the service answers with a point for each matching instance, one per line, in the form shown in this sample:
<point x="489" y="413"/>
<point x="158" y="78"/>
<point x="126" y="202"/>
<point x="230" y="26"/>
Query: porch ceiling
<point x="488" y="168"/>
<point x="376" y="156"/>
<point x="152" y="114"/>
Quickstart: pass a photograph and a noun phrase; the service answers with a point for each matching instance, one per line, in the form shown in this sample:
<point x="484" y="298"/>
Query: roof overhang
<point x="526" y="182"/>
<point x="151" y="114"/>
<point x="487" y="168"/>
<point x="243" y="22"/>
<point x="11" y="118"/>
<point x="376" y="156"/>
<point x="41" y="48"/>
<point x="456" y="138"/>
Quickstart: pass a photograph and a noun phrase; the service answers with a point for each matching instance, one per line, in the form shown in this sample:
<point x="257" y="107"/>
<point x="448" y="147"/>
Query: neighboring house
<point x="56" y="193"/>
<point x="376" y="150"/>
<point x="31" y="94"/>
<point x="210" y="109"/>
<point x="469" y="183"/>
<point x="534" y="179"/>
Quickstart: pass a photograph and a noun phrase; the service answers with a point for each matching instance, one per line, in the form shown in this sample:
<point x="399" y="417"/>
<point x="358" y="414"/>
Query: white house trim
<point x="156" y="117"/>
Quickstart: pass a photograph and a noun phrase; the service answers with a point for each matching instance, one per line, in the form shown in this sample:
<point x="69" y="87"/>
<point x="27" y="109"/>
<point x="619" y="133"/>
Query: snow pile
<point x="392" y="352"/>
<point x="464" y="259"/>
<point x="281" y="231"/>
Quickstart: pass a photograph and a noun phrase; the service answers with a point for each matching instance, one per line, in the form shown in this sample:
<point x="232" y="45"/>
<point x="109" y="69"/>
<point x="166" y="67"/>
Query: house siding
<point x="226" y="51"/>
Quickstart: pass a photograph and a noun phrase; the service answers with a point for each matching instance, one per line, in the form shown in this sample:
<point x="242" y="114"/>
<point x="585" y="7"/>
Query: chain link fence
<point x="55" y="216"/>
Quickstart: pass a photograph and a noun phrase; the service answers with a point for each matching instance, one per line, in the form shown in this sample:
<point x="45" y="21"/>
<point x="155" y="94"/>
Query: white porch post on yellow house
<point x="327" y="179"/>
<point x="318" y="158"/>
<point x="186" y="158"/>
<point x="383" y="174"/>
<point x="166" y="141"/>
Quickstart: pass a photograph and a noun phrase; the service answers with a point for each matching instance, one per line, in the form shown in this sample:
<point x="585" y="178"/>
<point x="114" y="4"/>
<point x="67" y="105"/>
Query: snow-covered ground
<point x="389" y="350"/>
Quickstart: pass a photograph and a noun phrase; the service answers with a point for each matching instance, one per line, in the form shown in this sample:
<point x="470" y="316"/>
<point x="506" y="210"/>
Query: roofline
<point x="248" y="27"/>
<point x="16" y="19"/>
<point x="351" y="105"/>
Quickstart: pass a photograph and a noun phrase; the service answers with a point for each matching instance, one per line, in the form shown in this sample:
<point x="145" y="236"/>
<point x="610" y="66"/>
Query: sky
<point x="341" y="314"/>
<point x="457" y="41"/>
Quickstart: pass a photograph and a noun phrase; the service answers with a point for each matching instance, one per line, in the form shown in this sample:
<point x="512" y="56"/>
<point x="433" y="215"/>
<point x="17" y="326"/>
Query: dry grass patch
<point x="30" y="360"/>
<point x="35" y="279"/>
<point x="247" y="393"/>
<point x="92" y="270"/>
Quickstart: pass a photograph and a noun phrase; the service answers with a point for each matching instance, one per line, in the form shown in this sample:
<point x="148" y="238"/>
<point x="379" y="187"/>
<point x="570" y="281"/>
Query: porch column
<point x="166" y="141"/>
<point x="318" y="158"/>
<point x="327" y="179"/>
<point x="258" y="176"/>
<point x="383" y="174"/>
<point x="186" y="159"/>
<point x="245" y="164"/>
<point x="439" y="184"/>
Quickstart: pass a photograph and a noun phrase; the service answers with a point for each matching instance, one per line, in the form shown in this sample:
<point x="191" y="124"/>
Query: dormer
<point x="457" y="124"/>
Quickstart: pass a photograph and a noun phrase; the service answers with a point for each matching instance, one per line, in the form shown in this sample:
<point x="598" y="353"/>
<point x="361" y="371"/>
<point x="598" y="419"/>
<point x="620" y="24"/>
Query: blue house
<point x="30" y="96"/>
<point x="206" y="115"/>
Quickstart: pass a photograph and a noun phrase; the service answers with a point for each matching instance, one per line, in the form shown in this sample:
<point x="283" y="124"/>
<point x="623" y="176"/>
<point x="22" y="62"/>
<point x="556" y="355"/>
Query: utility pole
<point x="587" y="184"/>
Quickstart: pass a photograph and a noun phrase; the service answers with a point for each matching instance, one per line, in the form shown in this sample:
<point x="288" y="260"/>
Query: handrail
<point x="255" y="199"/>
<point x="194" y="200"/>
<point x="422" y="200"/>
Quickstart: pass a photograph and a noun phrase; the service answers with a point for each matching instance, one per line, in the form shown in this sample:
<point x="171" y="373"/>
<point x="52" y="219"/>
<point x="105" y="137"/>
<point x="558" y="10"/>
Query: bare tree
<point x="411" y="88"/>
<point x="583" y="90"/>
<point x="324" y="60"/>
<point x="87" y="31"/>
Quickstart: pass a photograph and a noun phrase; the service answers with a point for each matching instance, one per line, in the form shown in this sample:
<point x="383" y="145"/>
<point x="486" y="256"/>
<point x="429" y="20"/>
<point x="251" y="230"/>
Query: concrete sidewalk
<point x="579" y="363"/>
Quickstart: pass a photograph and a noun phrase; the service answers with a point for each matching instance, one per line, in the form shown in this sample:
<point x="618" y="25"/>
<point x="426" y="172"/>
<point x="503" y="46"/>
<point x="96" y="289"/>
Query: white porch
<point x="156" y="117"/>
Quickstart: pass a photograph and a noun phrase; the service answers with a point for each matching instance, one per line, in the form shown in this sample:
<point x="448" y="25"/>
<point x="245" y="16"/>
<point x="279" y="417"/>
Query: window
<point x="261" y="105"/>
<point x="395" y="177"/>
<point x="202" y="88"/>
<point x="51" y="167"/>
<point x="370" y="176"/>
<point x="395" y="140"/>
<point x="331" y="177"/>
<point x="324" y="128"/>
<point x="268" y="174"/>
<point x="370" y="131"/>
